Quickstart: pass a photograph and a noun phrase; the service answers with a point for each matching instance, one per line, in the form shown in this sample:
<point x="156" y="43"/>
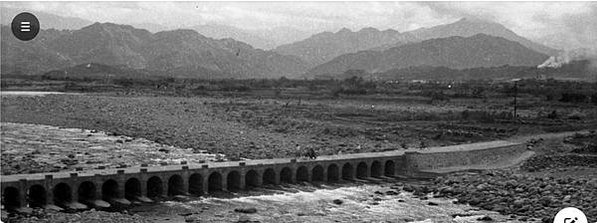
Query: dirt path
<point x="502" y="164"/>
<point x="545" y="136"/>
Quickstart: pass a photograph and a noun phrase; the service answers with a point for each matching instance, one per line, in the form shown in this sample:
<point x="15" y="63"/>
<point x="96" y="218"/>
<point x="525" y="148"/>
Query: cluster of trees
<point x="563" y="91"/>
<point x="357" y="84"/>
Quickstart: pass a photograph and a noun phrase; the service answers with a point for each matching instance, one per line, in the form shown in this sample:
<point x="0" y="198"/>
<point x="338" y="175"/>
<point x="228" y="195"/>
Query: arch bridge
<point x="121" y="186"/>
<point x="94" y="187"/>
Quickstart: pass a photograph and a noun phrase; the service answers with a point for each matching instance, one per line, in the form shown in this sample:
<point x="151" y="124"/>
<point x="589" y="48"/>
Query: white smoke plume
<point x="567" y="56"/>
<point x="553" y="62"/>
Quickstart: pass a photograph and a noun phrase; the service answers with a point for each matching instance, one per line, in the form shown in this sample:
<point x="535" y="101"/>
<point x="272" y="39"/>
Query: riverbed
<point x="348" y="202"/>
<point x="34" y="148"/>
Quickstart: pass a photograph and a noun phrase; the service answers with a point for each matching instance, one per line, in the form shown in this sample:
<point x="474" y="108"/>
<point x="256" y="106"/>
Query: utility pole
<point x="515" y="99"/>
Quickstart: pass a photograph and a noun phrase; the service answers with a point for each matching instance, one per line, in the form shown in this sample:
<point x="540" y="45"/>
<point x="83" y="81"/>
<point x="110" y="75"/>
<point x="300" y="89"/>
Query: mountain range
<point x="47" y="20"/>
<point x="466" y="27"/>
<point x="265" y="39"/>
<point x="454" y="52"/>
<point x="323" y="47"/>
<point x="208" y="51"/>
<point x="278" y="36"/>
<point x="184" y="52"/>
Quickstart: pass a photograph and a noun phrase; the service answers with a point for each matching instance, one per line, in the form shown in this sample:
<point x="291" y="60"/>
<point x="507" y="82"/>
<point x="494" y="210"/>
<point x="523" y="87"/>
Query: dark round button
<point x="25" y="26"/>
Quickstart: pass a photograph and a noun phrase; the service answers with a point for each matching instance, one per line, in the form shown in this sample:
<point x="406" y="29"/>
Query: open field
<point x="252" y="119"/>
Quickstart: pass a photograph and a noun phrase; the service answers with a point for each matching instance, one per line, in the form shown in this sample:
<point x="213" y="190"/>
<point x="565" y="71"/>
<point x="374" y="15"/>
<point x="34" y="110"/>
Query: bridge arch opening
<point x="362" y="170"/>
<point x="132" y="189"/>
<point x="37" y="196"/>
<point x="286" y="175"/>
<point x="376" y="169"/>
<point x="109" y="190"/>
<point x="269" y="176"/>
<point x="333" y="173"/>
<point x="62" y="194"/>
<point x="252" y="179"/>
<point x="196" y="184"/>
<point x="86" y="191"/>
<point x="389" y="168"/>
<point x="175" y="185"/>
<point x="10" y="197"/>
<point x="215" y="182"/>
<point x="154" y="187"/>
<point x="317" y="173"/>
<point x="302" y="174"/>
<point x="233" y="181"/>
<point x="347" y="171"/>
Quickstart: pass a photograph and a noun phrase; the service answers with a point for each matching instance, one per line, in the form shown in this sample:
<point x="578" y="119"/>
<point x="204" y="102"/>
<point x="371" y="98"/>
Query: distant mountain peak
<point x="391" y="31"/>
<point x="218" y="31"/>
<point x="180" y="34"/>
<point x="484" y="36"/>
<point x="185" y="32"/>
<point x="475" y="20"/>
<point x="324" y="46"/>
<point x="469" y="19"/>
<point x="94" y="26"/>
<point x="110" y="27"/>
<point x="470" y="26"/>
<point x="368" y="30"/>
<point x="108" y="24"/>
<point x="344" y="30"/>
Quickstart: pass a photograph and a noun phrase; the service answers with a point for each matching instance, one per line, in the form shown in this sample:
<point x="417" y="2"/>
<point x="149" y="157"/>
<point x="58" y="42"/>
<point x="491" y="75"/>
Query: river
<point x="361" y="202"/>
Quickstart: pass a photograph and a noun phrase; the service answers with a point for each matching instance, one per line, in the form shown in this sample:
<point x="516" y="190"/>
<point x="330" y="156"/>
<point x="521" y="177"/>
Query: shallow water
<point x="32" y="93"/>
<point x="307" y="203"/>
<point x="58" y="148"/>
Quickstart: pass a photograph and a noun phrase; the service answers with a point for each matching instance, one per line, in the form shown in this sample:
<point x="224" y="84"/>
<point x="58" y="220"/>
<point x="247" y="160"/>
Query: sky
<point x="570" y="21"/>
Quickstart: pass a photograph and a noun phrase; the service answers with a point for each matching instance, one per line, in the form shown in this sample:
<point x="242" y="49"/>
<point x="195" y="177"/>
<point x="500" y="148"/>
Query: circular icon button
<point x="570" y="215"/>
<point x="25" y="26"/>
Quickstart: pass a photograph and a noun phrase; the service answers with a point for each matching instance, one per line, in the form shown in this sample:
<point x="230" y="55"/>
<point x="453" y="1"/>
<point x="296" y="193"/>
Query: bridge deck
<point x="465" y="147"/>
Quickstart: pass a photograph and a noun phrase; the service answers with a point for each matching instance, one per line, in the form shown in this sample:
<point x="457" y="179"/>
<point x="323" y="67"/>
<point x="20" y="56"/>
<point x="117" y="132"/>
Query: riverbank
<point x="89" y="216"/>
<point x="562" y="174"/>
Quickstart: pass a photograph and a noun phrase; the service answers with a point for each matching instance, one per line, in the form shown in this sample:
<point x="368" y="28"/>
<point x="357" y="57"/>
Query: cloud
<point x="536" y="20"/>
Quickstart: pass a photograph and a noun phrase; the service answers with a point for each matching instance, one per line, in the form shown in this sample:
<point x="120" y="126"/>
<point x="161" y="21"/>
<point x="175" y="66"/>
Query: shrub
<point x="573" y="97"/>
<point x="553" y="115"/>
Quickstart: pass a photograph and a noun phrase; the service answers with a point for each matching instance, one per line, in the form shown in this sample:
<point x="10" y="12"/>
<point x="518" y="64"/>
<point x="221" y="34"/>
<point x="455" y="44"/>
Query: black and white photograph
<point x="298" y="111"/>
